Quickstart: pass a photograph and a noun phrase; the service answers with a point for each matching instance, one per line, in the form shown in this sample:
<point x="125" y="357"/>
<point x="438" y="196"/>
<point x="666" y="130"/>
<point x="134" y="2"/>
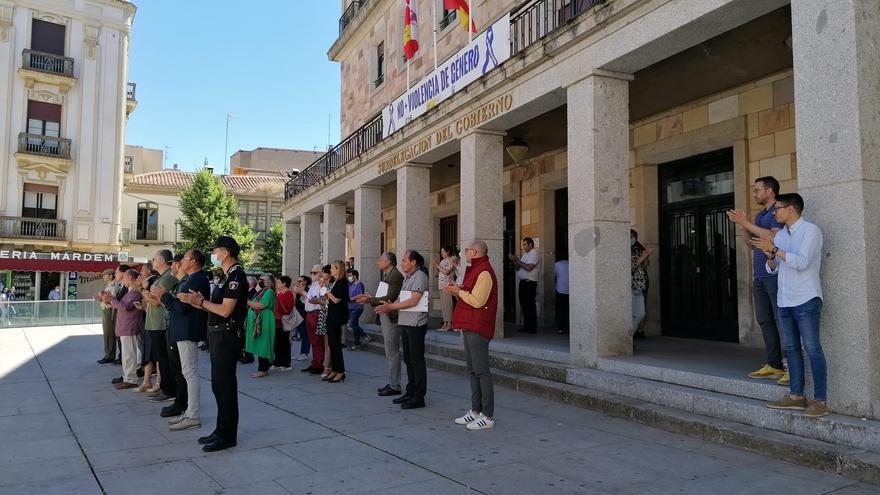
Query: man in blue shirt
<point x="764" y="285"/>
<point x="795" y="253"/>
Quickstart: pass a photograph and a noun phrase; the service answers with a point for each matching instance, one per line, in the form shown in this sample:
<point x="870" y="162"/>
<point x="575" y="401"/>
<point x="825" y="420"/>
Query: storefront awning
<point x="44" y="265"/>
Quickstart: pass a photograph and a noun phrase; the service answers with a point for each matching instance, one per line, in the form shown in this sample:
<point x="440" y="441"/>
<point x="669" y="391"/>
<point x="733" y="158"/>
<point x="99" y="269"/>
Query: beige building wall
<point x="271" y="159"/>
<point x="139" y="160"/>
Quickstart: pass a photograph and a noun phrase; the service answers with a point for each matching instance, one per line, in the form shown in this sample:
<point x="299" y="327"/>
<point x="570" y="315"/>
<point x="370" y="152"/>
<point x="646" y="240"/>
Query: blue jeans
<point x="354" y="324"/>
<point x="800" y="324"/>
<point x="304" y="346"/>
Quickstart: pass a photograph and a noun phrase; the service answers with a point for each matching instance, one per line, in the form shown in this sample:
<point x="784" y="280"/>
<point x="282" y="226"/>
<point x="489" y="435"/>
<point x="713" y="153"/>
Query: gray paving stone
<point x="172" y="477"/>
<point x="334" y="453"/>
<point x="44" y="470"/>
<point x="361" y="478"/>
<point x="521" y="478"/>
<point x="237" y="467"/>
<point x="44" y="449"/>
<point x="80" y="485"/>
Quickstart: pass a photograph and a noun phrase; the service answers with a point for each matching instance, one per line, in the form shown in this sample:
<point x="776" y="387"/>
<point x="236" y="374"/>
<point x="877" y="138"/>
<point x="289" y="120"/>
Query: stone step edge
<point x="559" y="372"/>
<point x="538" y="368"/>
<point x="856" y="464"/>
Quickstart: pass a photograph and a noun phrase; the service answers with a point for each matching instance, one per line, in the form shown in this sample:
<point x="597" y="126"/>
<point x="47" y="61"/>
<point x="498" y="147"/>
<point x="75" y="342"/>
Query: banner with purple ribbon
<point x="487" y="51"/>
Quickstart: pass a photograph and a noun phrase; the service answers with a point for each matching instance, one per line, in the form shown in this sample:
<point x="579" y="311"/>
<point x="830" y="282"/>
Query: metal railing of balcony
<point x="529" y="24"/>
<point x="33" y="228"/>
<point x="536" y="20"/>
<point x="131" y="91"/>
<point x="350" y="148"/>
<point x="448" y="18"/>
<point x="36" y="144"/>
<point x="152" y="232"/>
<point x="125" y="236"/>
<point x="47" y="62"/>
<point x="349" y="14"/>
<point x="128" y="165"/>
<point x="20" y="314"/>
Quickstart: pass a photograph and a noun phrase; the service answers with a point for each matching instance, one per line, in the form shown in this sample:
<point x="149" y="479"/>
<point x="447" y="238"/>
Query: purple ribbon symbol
<point x="490" y="52"/>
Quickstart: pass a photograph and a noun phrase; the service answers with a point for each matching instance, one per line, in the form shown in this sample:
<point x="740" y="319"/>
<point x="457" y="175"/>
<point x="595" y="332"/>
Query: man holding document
<point x="412" y="308"/>
<point x="388" y="291"/>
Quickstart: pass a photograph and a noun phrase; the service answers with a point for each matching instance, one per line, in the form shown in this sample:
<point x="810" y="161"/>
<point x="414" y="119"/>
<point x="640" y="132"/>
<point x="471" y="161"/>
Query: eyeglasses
<point x="470" y="249"/>
<point x="780" y="207"/>
<point x="759" y="189"/>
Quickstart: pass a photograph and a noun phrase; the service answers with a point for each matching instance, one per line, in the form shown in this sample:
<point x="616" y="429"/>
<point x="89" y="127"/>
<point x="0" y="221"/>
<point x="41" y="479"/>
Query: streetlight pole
<point x="226" y="147"/>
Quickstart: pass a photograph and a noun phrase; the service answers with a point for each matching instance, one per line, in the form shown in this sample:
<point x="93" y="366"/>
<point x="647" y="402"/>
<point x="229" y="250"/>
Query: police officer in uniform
<point x="227" y="313"/>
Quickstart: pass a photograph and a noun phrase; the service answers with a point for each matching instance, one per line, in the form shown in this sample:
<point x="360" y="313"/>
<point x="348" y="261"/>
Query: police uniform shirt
<point x="233" y="285"/>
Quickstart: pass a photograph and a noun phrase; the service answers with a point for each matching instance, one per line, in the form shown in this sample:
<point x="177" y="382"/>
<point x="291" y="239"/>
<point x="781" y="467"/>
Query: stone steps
<point x="723" y="412"/>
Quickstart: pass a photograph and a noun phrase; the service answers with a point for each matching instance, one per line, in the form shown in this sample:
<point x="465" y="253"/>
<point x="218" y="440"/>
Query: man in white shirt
<point x="795" y="253"/>
<point x="528" y="270"/>
<point x="561" y="272"/>
<point x="55" y="294"/>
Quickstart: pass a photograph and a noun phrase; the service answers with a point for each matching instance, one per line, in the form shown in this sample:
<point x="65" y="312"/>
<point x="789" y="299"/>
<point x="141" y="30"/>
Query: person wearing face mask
<point x="355" y="310"/>
<point x="638" y="258"/>
<point x="227" y="311"/>
<point x="261" y="325"/>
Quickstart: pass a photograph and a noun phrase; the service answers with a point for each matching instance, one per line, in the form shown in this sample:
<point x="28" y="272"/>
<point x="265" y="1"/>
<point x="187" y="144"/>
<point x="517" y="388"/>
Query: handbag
<point x="258" y="324"/>
<point x="290" y="321"/>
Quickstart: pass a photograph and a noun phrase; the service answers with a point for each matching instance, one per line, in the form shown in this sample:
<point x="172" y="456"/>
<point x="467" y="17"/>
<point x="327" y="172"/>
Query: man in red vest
<point x="474" y="316"/>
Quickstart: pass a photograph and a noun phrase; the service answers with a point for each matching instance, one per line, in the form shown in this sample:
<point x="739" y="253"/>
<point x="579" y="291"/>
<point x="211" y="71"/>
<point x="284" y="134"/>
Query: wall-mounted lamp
<point x="518" y="149"/>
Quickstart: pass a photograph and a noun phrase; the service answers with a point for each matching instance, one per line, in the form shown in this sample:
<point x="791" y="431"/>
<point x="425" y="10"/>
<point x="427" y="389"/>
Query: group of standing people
<point x="171" y="308"/>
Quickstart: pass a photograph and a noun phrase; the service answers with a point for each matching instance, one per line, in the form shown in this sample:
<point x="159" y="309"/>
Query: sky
<point x="262" y="61"/>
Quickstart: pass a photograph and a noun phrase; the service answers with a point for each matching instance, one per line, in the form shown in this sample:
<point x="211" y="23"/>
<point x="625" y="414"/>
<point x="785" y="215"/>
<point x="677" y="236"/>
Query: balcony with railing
<point x="44" y="229"/>
<point x="128" y="165"/>
<point x="530" y="23"/>
<point x="47" y="68"/>
<point x="130" y="97"/>
<point x="36" y="152"/>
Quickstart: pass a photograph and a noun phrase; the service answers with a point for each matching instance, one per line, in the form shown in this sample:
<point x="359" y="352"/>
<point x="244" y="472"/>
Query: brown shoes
<point x="788" y="402"/>
<point x="125" y="385"/>
<point x="816" y="410"/>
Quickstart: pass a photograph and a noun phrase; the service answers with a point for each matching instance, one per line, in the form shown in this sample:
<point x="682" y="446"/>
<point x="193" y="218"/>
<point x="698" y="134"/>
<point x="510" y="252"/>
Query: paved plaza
<point x="64" y="429"/>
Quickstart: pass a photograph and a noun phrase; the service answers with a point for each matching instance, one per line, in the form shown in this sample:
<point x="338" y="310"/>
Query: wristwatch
<point x="774" y="250"/>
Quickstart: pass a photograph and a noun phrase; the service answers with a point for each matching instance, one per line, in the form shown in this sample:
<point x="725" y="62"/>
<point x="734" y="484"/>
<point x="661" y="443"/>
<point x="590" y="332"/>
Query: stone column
<point x="290" y="257"/>
<point x="838" y="170"/>
<point x="413" y="209"/>
<point x="310" y="241"/>
<point x="481" y="216"/>
<point x="333" y="234"/>
<point x="367" y="237"/>
<point x="598" y="217"/>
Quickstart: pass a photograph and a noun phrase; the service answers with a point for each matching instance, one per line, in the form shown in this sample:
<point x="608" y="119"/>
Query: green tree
<point x="270" y="259"/>
<point x="208" y="211"/>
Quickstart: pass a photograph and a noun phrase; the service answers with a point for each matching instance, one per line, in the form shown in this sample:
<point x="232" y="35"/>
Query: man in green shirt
<point x="156" y="326"/>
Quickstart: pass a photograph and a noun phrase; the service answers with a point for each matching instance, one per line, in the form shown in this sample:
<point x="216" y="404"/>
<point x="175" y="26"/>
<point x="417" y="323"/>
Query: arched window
<point x="147" y="221"/>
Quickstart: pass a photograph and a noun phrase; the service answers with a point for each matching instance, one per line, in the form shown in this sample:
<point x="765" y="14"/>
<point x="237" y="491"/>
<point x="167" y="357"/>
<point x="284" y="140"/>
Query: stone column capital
<point x="483" y="132"/>
<point x="368" y="187"/>
<point x="602" y="73"/>
<point x="413" y="165"/>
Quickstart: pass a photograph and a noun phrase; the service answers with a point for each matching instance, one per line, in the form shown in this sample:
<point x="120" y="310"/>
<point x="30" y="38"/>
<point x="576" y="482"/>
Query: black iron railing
<point x="32" y="228"/>
<point x="448" y="17"/>
<point x="131" y="91"/>
<point x="349" y="14"/>
<point x="350" y="148"/>
<point x="537" y="20"/>
<point x="36" y="144"/>
<point x="47" y="62"/>
<point x="528" y="25"/>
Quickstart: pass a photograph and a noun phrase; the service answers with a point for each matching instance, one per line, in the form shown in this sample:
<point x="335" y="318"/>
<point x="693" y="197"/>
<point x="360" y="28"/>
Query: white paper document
<point x="382" y="290"/>
<point x="421" y="307"/>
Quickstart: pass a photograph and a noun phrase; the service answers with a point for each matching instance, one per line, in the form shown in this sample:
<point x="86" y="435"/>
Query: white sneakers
<point x="475" y="421"/>
<point x="186" y="424"/>
<point x="302" y="357"/>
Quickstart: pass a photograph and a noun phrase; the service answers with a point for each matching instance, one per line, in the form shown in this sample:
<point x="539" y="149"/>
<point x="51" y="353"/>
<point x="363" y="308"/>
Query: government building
<point x="572" y="122"/>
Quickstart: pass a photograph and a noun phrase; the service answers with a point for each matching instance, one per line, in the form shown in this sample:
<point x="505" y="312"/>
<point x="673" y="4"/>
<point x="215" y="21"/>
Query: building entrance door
<point x="510" y="246"/>
<point x="698" y="248"/>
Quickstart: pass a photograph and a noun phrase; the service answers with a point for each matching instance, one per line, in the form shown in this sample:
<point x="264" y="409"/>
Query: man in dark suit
<point x="188" y="327"/>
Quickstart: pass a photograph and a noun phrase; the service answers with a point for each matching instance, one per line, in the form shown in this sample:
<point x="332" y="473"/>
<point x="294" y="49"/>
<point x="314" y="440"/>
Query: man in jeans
<point x="764" y="191"/>
<point x="795" y="253"/>
<point x="474" y="317"/>
<point x="387" y="263"/>
<point x="188" y="327"/>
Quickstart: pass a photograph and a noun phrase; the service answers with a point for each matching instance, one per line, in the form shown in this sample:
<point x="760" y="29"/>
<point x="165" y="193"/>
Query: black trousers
<point x="561" y="311"/>
<point x="225" y="348"/>
<point x="263" y="364"/>
<point x="181" y="397"/>
<point x="334" y="339"/>
<point x="169" y="384"/>
<point x="282" y="347"/>
<point x="527" y="292"/>
<point x="413" y="339"/>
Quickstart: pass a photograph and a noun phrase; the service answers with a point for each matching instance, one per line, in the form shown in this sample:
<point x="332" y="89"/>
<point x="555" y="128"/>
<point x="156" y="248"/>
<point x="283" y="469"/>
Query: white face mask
<point x="351" y="279"/>
<point x="215" y="260"/>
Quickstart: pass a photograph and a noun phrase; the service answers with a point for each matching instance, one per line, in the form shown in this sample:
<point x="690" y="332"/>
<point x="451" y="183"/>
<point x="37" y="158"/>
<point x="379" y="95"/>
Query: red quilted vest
<point x="480" y="320"/>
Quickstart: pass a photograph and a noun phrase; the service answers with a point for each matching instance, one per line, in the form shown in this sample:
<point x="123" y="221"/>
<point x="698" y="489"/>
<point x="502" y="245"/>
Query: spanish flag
<point x="410" y="32"/>
<point x="463" y="14"/>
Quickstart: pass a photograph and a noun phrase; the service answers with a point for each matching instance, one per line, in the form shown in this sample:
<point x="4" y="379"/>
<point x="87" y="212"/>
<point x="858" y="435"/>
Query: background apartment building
<point x="65" y="100"/>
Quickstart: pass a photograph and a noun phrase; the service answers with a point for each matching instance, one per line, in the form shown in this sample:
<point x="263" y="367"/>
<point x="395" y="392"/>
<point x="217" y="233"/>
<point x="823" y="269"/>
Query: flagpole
<point x="472" y="8"/>
<point x="434" y="26"/>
